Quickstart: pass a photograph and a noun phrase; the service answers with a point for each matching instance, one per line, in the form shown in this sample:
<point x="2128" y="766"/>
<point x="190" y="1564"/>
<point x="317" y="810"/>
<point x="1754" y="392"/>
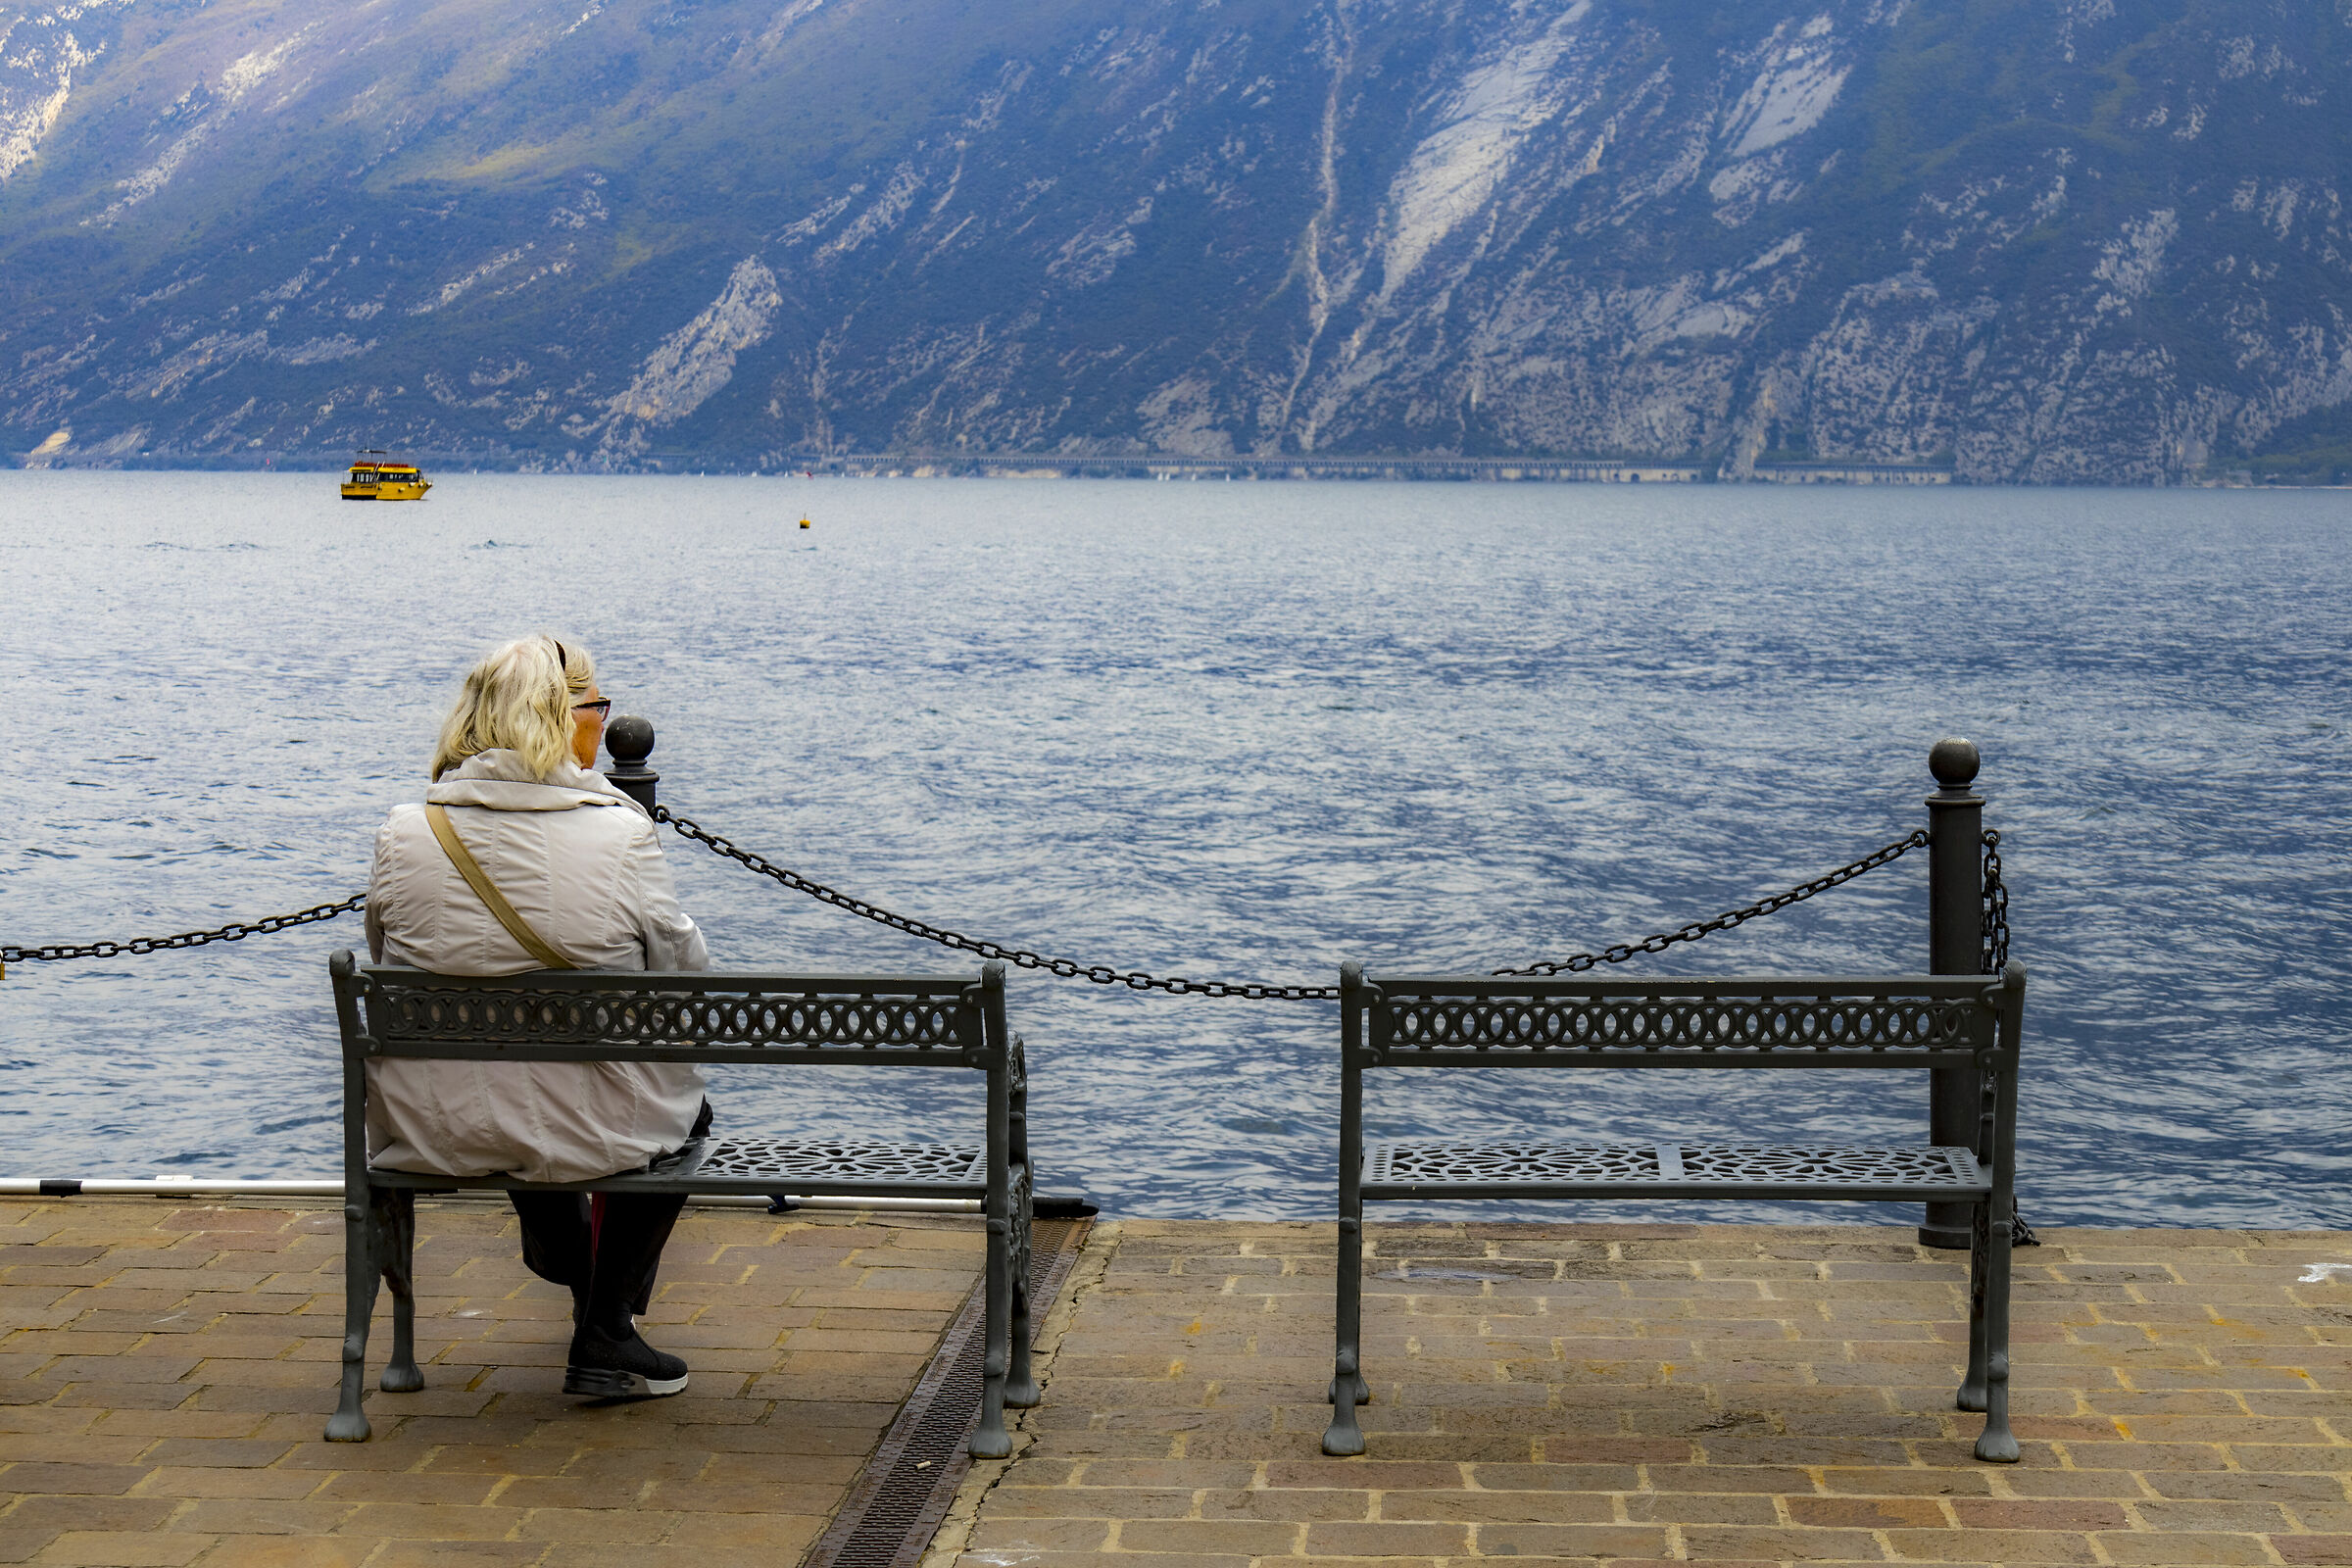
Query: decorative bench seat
<point x="769" y="1020"/>
<point x="1924" y="1023"/>
<point x="1669" y="1170"/>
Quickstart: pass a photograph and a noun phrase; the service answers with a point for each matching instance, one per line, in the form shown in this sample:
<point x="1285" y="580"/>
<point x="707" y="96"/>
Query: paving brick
<point x="1502" y="1507"/>
<point x="71" y="1480"/>
<point x="1251" y="1536"/>
<point x="117" y="1549"/>
<point x="1773" y="1412"/>
<point x="1045" y="1535"/>
<point x="1736" y="1394"/>
<point x="2251" y="1517"/>
<point x="1991" y="1546"/>
<point x="599" y="1527"/>
<point x="188" y="1361"/>
<point x="1110" y="1502"/>
<point x="1867" y="1513"/>
<point x="457" y="1555"/>
<point x="261" y="1517"/>
<point x="764" y="1539"/>
<point x="1571" y="1541"/>
<point x="1993" y="1513"/>
<point x="283" y="1552"/>
<point x="2199" y="1547"/>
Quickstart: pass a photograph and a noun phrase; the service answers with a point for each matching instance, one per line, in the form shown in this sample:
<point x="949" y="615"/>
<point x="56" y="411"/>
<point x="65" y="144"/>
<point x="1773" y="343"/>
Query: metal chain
<point x="1067" y="968"/>
<point x="1730" y="917"/>
<point x="58" y="952"/>
<point x="1105" y="974"/>
<point x="1994" y="931"/>
<point x="1996" y="925"/>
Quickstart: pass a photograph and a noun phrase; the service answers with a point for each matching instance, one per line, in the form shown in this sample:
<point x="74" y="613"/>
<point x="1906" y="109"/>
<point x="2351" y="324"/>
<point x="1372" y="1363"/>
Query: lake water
<point x="1238" y="732"/>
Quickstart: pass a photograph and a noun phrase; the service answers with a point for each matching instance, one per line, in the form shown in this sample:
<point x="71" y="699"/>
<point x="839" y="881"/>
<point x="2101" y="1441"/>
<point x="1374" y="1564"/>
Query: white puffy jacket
<point x="580" y="862"/>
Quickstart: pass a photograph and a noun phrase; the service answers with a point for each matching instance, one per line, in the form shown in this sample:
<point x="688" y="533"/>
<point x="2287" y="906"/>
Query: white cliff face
<point x="24" y="125"/>
<point x="1481" y="126"/>
<point x="39" y="54"/>
<point x="697" y="358"/>
<point x="1793" y="92"/>
<point x="191" y="122"/>
<point x="2131" y="264"/>
<point x="1092" y="255"/>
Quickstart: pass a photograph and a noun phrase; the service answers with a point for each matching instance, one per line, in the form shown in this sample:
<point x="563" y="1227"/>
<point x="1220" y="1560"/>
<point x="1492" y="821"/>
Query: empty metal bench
<point x="775" y="1021"/>
<point x="1920" y="1023"/>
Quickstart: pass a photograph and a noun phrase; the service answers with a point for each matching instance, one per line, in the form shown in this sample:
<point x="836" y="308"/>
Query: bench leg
<point x="361" y="1271"/>
<point x="1971" y="1387"/>
<point x="990" y="1440"/>
<point x="1997" y="1445"/>
<point x="1348" y="1387"/>
<point x="395" y="1216"/>
<point x="1020" y="1381"/>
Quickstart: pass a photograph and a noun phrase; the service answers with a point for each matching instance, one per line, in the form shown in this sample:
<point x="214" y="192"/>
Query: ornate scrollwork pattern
<point x="1545" y="1164"/>
<point x="399" y="1013"/>
<point x="762" y="1158"/>
<point x="1017" y="1238"/>
<point x="1829" y="1165"/>
<point x="1728" y="1026"/>
<point x="1531" y="1162"/>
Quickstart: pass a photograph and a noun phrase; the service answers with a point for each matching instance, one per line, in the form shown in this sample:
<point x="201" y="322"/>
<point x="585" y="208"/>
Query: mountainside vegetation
<point x="2058" y="241"/>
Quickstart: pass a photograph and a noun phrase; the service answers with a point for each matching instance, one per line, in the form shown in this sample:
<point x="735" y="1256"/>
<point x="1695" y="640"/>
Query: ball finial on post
<point x="1954" y="763"/>
<point x="629" y="740"/>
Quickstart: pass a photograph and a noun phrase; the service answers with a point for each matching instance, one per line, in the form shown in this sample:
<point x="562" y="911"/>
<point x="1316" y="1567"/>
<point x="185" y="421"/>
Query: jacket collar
<point x="498" y="780"/>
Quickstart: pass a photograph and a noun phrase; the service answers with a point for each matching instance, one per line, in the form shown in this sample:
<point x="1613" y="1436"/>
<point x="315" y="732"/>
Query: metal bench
<point x="1923" y="1023"/>
<point x="776" y="1020"/>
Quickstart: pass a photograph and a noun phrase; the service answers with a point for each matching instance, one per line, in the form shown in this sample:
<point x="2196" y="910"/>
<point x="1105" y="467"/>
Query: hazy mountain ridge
<point x="2074" y="242"/>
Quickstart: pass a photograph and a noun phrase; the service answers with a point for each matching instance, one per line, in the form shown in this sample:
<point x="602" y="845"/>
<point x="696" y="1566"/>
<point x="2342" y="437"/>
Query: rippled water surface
<point x="1229" y="730"/>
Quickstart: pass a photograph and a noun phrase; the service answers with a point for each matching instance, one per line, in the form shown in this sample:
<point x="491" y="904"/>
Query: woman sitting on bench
<point x="522" y="859"/>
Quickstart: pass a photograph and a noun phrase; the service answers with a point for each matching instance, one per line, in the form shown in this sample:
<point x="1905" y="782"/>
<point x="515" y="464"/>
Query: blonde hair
<point x="518" y="698"/>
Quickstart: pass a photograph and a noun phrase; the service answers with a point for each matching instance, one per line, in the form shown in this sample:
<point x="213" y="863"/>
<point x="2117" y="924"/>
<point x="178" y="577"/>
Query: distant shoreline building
<point x="1851" y="474"/>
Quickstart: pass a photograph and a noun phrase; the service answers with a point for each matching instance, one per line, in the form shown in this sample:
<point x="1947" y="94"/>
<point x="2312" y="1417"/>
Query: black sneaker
<point x="604" y="1368"/>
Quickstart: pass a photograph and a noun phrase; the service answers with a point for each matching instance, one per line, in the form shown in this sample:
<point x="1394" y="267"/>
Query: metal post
<point x="989" y="1439"/>
<point x="1345" y="1436"/>
<point x="1955" y="912"/>
<point x="631" y="741"/>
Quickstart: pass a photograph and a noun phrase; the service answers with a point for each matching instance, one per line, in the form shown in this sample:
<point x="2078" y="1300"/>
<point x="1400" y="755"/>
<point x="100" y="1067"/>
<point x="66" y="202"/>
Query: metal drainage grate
<point x="903" y="1491"/>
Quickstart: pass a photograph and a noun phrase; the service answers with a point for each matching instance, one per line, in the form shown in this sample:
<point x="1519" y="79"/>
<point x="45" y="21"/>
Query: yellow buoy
<point x="804" y="523"/>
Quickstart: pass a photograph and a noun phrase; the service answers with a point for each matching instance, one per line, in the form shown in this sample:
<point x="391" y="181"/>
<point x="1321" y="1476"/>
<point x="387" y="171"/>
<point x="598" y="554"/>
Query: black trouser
<point x="605" y="1254"/>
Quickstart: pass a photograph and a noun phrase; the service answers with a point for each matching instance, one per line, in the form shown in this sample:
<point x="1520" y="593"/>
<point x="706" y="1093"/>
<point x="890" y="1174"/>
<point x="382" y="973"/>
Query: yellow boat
<point x="372" y="478"/>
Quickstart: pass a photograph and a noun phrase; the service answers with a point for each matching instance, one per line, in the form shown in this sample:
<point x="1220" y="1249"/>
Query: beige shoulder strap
<point x="487" y="890"/>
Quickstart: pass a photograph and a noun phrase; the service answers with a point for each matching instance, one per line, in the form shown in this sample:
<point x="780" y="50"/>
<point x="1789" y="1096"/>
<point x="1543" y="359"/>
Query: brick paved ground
<point x="1722" y="1394"/>
<point x="166" y="1369"/>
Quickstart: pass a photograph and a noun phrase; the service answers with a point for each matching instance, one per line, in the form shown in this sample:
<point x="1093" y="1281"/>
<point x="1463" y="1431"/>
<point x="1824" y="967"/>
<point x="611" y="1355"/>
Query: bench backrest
<point x="673" y="1016"/>
<point x="1916" y="1021"/>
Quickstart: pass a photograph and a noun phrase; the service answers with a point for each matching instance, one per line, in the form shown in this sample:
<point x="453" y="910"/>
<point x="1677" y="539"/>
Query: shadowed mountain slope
<point x="2048" y="242"/>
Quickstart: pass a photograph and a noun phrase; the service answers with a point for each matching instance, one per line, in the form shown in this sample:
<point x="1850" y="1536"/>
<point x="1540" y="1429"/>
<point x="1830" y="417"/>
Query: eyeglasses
<point x="602" y="707"/>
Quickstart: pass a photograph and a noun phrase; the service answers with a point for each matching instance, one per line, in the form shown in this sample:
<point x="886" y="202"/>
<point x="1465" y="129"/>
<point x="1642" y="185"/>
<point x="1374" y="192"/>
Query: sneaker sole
<point x="606" y="1383"/>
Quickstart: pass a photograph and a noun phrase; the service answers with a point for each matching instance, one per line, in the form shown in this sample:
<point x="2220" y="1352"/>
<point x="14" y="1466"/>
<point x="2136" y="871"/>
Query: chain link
<point x="1730" y="917"/>
<point x="140" y="946"/>
<point x="1996" y="925"/>
<point x="1100" y="974"/>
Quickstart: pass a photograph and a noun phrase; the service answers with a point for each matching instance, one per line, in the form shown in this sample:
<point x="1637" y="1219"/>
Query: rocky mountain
<point x="2032" y="241"/>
